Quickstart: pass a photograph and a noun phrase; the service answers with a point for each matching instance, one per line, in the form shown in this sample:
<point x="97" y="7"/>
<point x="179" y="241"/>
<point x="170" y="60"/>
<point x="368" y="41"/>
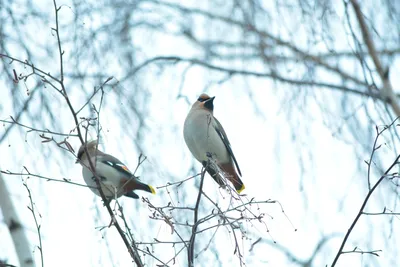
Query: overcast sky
<point x="303" y="147"/>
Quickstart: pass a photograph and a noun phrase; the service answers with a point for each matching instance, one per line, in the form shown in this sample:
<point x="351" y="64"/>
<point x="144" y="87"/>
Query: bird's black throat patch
<point x="209" y="104"/>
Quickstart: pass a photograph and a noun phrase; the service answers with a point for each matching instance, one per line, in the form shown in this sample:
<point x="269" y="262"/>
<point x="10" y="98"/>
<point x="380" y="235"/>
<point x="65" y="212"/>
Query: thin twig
<point x="64" y="180"/>
<point x="361" y="211"/>
<point x="357" y="250"/>
<point x="387" y="90"/>
<point x="179" y="183"/>
<point x="31" y="129"/>
<point x="32" y="209"/>
<point x="94" y="93"/>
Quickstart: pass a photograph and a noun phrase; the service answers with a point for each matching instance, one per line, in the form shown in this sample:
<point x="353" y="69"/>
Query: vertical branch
<point x="387" y="90"/>
<point x="38" y="226"/>
<point x="196" y="220"/>
<point x="61" y="53"/>
<point x="61" y="81"/>
<point x="361" y="211"/>
<point x="132" y="251"/>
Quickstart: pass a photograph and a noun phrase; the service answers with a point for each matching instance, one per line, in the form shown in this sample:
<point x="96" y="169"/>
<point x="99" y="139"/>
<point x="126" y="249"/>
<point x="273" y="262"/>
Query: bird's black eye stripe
<point x="202" y="99"/>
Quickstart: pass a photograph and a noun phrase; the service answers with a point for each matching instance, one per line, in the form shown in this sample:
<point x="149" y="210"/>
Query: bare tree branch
<point x="232" y="71"/>
<point x="387" y="90"/>
<point x="361" y="211"/>
<point x="38" y="226"/>
<point x="191" y="245"/>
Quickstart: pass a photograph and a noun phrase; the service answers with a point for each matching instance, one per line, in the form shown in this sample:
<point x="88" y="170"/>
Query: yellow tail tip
<point x="241" y="189"/>
<point x="152" y="190"/>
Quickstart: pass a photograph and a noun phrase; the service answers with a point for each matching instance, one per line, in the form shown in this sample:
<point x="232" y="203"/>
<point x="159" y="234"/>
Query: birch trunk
<point x="18" y="235"/>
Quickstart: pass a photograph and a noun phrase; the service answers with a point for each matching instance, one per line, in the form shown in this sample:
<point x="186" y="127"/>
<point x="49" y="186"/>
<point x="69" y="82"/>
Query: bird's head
<point x="91" y="148"/>
<point x="205" y="101"/>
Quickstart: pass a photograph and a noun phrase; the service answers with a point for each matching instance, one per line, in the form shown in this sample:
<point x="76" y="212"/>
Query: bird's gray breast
<point x="201" y="137"/>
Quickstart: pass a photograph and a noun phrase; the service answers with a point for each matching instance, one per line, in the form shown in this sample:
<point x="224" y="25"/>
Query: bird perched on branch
<point x="114" y="177"/>
<point x="206" y="139"/>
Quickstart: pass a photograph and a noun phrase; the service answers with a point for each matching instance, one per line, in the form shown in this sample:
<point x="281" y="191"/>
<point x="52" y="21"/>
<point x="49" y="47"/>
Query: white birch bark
<point x="18" y="235"/>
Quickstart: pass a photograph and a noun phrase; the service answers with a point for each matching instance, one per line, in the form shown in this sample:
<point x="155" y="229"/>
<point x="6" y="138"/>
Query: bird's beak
<point x="211" y="99"/>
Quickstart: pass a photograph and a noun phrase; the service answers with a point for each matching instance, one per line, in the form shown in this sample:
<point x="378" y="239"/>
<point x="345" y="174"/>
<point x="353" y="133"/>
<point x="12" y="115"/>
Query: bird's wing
<point x="221" y="132"/>
<point x="115" y="163"/>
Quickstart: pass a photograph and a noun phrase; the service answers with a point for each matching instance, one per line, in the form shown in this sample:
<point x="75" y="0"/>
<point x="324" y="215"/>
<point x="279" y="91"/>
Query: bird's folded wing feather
<point x="221" y="132"/>
<point x="115" y="163"/>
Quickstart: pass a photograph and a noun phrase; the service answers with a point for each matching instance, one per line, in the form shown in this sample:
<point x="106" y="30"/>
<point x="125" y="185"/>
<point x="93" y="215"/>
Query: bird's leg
<point x="108" y="201"/>
<point x="213" y="172"/>
<point x="115" y="197"/>
<point x="115" y="192"/>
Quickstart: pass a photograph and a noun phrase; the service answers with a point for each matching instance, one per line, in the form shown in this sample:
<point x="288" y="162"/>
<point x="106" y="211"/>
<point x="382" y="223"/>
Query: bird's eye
<point x="202" y="99"/>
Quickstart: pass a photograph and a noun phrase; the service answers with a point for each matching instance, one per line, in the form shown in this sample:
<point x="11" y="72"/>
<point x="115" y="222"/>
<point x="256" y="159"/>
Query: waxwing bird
<point x="115" y="178"/>
<point x="205" y="137"/>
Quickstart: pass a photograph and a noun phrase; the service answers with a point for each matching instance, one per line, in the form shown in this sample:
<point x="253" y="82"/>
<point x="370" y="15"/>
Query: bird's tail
<point x="233" y="177"/>
<point x="145" y="187"/>
<point x="237" y="183"/>
<point x="230" y="174"/>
